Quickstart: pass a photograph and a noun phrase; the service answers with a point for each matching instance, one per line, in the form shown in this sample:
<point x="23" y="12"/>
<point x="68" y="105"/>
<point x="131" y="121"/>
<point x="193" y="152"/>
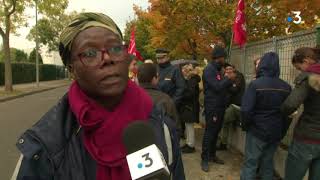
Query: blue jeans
<point x="303" y="157"/>
<point x="258" y="152"/>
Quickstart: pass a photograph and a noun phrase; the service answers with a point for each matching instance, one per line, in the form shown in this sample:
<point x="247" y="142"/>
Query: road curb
<point x="30" y="93"/>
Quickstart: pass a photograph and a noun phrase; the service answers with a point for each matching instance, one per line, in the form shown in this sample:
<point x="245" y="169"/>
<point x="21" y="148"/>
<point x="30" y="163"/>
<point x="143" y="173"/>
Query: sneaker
<point x="205" y="166"/>
<point x="188" y="149"/>
<point x="222" y="147"/>
<point x="217" y="160"/>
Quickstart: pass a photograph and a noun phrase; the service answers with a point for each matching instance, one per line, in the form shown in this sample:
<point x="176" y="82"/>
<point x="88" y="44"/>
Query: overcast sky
<point x="119" y="10"/>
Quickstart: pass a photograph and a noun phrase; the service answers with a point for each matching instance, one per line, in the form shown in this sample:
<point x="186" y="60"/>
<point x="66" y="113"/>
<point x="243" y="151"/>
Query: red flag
<point x="239" y="26"/>
<point x="132" y="46"/>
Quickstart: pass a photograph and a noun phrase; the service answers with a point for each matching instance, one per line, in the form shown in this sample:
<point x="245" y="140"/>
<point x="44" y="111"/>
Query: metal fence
<point x="285" y="46"/>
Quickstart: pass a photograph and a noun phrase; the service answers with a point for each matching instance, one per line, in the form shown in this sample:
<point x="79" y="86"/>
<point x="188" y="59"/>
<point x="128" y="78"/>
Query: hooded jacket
<point x="262" y="100"/>
<point x="306" y="92"/>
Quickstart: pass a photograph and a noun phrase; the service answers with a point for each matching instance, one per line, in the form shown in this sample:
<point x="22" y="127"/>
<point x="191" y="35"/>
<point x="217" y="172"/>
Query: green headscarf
<point x="82" y="22"/>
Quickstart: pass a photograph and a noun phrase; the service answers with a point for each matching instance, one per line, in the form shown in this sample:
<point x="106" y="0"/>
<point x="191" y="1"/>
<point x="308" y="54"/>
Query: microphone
<point x="144" y="158"/>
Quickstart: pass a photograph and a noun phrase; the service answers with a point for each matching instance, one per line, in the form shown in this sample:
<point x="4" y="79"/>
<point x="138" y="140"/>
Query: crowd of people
<point x="80" y="137"/>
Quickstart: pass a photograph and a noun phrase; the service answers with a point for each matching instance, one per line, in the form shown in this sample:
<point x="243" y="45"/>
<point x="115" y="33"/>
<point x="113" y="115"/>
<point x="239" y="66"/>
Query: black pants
<point x="214" y="121"/>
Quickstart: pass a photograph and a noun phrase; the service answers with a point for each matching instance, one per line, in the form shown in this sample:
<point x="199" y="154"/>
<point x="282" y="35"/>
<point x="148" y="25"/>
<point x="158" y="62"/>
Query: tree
<point x="32" y="57"/>
<point x="268" y="18"/>
<point x="20" y="56"/>
<point x="142" y="36"/>
<point x="189" y="27"/>
<point x="11" y="18"/>
<point x="16" y="55"/>
<point x="49" y="29"/>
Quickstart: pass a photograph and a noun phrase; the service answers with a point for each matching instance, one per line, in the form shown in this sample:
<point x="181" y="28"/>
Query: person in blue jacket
<point x="215" y="98"/>
<point x="262" y="118"/>
<point x="171" y="81"/>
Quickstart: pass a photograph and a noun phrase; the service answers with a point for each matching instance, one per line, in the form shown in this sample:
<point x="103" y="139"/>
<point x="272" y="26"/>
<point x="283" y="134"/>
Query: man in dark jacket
<point x="262" y="118"/>
<point x="232" y="114"/>
<point x="148" y="78"/>
<point x="171" y="81"/>
<point x="215" y="88"/>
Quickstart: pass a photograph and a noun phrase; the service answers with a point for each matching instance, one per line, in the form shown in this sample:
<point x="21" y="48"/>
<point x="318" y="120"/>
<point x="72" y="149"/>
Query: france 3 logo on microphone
<point x="147" y="162"/>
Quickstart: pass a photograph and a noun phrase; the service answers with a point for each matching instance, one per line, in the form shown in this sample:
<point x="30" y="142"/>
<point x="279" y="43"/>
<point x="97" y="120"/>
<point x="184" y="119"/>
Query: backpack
<point x="166" y="134"/>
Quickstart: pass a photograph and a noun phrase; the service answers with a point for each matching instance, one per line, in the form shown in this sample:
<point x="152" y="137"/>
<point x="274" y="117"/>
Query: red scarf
<point x="103" y="129"/>
<point x="315" y="68"/>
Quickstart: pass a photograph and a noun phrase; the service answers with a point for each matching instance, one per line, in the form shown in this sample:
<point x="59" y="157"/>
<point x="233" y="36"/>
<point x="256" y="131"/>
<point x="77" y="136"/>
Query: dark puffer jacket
<point x="215" y="88"/>
<point x="262" y="100"/>
<point x="171" y="82"/>
<point x="306" y="92"/>
<point x="53" y="150"/>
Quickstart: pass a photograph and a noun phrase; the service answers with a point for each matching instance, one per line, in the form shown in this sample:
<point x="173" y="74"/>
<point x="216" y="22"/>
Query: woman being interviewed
<point x="304" y="151"/>
<point x="81" y="137"/>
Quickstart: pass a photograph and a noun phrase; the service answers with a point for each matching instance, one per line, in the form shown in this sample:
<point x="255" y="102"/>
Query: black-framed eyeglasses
<point x="94" y="57"/>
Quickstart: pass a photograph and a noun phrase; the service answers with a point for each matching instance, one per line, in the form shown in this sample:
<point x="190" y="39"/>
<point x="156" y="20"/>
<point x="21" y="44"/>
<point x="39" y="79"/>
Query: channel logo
<point x="296" y="18"/>
<point x="146" y="157"/>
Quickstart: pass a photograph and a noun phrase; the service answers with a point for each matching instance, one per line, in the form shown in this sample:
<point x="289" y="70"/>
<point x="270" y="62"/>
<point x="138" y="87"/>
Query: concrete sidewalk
<point x="21" y="90"/>
<point x="229" y="171"/>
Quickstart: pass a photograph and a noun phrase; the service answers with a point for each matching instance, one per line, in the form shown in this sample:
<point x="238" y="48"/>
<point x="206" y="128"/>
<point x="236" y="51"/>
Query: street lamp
<point x="37" y="46"/>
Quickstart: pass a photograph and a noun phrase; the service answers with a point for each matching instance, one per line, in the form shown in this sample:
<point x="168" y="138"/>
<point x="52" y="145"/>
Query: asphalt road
<point x="15" y="117"/>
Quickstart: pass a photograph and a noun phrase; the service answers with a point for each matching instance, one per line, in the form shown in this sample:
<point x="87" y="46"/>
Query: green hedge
<point x="26" y="72"/>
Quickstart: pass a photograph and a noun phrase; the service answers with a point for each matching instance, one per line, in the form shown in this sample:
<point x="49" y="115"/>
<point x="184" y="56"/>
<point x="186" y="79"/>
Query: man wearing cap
<point x="215" y="89"/>
<point x="171" y="80"/>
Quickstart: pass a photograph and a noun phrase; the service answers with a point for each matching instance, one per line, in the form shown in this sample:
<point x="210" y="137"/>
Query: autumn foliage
<point x="189" y="27"/>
